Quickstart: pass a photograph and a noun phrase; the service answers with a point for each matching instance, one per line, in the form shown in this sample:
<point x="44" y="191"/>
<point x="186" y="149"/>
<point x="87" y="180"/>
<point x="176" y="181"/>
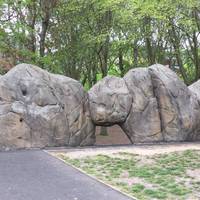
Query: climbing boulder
<point x="150" y="104"/>
<point x="143" y="122"/>
<point x="195" y="89"/>
<point x="110" y="101"/>
<point x="174" y="103"/>
<point x="40" y="109"/>
<point x="195" y="101"/>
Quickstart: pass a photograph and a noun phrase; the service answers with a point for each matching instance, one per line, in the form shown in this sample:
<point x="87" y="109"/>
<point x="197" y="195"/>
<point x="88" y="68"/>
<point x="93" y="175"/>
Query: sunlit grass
<point x="162" y="176"/>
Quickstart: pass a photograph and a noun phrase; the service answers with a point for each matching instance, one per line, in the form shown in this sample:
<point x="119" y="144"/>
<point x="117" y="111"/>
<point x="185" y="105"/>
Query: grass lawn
<point x="160" y="176"/>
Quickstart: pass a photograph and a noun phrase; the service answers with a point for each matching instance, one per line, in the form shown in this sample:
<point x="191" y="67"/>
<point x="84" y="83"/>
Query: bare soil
<point x="115" y="136"/>
<point x="134" y="149"/>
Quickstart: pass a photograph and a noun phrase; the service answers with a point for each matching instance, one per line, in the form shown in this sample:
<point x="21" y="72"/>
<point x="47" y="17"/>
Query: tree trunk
<point x="46" y="8"/>
<point x="148" y="42"/>
<point x="103" y="57"/>
<point x="150" y="54"/>
<point x="176" y="45"/>
<point x="135" y="55"/>
<point x="31" y="22"/>
<point x="103" y="131"/>
<point x="121" y="65"/>
<point x="196" y="57"/>
<point x="45" y="24"/>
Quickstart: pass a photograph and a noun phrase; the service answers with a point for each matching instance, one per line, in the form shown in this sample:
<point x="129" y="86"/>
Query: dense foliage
<point x="88" y="39"/>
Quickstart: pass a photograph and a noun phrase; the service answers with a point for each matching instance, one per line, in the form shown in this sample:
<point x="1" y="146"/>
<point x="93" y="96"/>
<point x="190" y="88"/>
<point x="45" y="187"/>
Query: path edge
<point x="89" y="175"/>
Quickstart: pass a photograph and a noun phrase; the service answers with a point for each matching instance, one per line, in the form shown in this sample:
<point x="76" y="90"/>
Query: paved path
<point x="35" y="175"/>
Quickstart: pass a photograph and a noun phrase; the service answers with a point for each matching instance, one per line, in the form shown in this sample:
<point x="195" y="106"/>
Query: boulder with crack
<point x="110" y="101"/>
<point x="195" y="101"/>
<point x="174" y="103"/>
<point x="143" y="121"/>
<point x="150" y="104"/>
<point x="40" y="109"/>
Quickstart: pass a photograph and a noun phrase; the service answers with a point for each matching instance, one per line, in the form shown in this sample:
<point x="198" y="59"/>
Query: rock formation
<point x="143" y="121"/>
<point x="110" y="101"/>
<point x="195" y="101"/>
<point x="174" y="100"/>
<point x="163" y="108"/>
<point x="40" y="109"/>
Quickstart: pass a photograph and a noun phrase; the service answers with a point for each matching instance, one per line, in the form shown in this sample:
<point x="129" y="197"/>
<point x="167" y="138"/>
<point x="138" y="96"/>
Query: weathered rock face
<point x="143" y="121"/>
<point x="161" y="106"/>
<point x="195" y="88"/>
<point x="39" y="109"/>
<point x="110" y="101"/>
<point x="174" y="101"/>
<point x="195" y="101"/>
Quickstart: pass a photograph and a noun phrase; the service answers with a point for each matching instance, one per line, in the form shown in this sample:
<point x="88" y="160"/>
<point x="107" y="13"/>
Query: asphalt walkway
<point x="35" y="175"/>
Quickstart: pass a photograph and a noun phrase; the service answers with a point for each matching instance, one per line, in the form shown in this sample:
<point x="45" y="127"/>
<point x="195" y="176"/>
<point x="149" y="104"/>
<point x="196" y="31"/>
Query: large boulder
<point x="39" y="109"/>
<point x="174" y="103"/>
<point x="195" y="101"/>
<point x="110" y="101"/>
<point x="163" y="107"/>
<point x="143" y="122"/>
<point x="195" y="89"/>
<point x="150" y="104"/>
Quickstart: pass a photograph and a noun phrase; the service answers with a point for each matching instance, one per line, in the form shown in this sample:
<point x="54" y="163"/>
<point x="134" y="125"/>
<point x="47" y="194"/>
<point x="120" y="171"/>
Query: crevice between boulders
<point x="131" y="99"/>
<point x="154" y="87"/>
<point x="129" y="137"/>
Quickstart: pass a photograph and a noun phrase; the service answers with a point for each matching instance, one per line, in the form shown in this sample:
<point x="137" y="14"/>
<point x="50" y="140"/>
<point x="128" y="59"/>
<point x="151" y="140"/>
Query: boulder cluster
<point x="40" y="109"/>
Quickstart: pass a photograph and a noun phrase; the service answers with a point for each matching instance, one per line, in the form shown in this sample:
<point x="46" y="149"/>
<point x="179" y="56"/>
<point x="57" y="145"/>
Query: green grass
<point x="162" y="176"/>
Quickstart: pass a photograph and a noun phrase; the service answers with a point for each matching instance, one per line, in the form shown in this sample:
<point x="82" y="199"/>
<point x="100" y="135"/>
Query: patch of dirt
<point x="135" y="180"/>
<point x="195" y="174"/>
<point x="134" y="149"/>
<point x="115" y="136"/>
<point x="145" y="161"/>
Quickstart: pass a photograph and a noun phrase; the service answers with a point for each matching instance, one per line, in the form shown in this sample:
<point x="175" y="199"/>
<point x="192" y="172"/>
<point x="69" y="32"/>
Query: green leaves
<point x="85" y="39"/>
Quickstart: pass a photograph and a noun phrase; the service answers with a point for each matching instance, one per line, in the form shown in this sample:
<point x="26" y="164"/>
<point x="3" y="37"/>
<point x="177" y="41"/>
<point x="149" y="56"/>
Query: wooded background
<point x="88" y="39"/>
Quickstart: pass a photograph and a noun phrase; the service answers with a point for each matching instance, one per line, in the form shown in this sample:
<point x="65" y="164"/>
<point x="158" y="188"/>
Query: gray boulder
<point x="150" y="104"/>
<point x="195" y="101"/>
<point x="174" y="103"/>
<point x="39" y="109"/>
<point x="143" y="122"/>
<point x="195" y="89"/>
<point x="110" y="101"/>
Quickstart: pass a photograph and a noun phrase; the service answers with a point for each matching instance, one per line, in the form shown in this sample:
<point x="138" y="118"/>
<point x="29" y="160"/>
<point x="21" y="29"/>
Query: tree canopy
<point x="88" y="39"/>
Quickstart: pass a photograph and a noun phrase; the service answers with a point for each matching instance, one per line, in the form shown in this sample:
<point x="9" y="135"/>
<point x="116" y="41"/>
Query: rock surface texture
<point x="40" y="109"/>
<point x="110" y="101"/>
<point x="143" y="121"/>
<point x="174" y="104"/>
<point x="163" y="108"/>
<point x="195" y="100"/>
